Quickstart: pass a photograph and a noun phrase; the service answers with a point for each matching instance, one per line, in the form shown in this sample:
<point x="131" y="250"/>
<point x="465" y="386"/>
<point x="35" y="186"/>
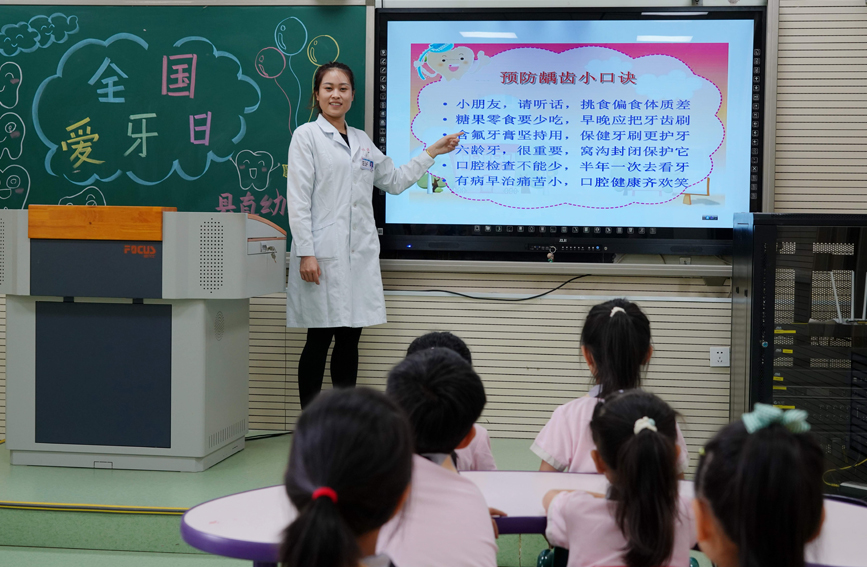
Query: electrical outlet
<point x="720" y="356"/>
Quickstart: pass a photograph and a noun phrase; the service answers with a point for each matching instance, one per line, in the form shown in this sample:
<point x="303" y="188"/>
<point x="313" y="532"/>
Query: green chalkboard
<point x="187" y="107"/>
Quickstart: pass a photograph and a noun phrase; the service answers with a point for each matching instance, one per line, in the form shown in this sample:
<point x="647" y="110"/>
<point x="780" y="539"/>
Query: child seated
<point x="476" y="456"/>
<point x="615" y="342"/>
<point x="758" y="490"/>
<point x="349" y="472"/>
<point x="641" y="521"/>
<point x="446" y="520"/>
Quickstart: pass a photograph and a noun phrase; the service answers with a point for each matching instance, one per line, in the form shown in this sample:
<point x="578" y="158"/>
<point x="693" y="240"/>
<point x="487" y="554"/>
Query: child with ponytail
<point x="642" y="521"/>
<point x="615" y="342"/>
<point x="349" y="472"/>
<point x="758" y="490"/>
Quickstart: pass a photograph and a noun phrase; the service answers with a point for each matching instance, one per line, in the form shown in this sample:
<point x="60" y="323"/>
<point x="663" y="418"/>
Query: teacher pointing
<point x="335" y="287"/>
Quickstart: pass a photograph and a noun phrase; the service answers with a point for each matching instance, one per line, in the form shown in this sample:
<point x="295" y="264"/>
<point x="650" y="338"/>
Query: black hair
<point x="441" y="339"/>
<point x="358" y="443"/>
<point x="643" y="472"/>
<point x="765" y="490"/>
<point x="317" y="80"/>
<point x="619" y="344"/>
<point x="442" y="395"/>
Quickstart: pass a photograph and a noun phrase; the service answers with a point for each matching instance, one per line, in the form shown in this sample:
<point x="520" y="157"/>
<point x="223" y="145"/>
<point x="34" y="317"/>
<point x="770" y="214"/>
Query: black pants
<point x="344" y="360"/>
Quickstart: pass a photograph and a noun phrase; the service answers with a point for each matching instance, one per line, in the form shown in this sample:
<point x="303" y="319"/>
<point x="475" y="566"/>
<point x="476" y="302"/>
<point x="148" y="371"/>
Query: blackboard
<point x="190" y="107"/>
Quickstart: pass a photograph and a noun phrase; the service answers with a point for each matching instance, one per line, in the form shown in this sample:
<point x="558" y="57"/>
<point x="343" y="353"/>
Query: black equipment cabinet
<point x="799" y="329"/>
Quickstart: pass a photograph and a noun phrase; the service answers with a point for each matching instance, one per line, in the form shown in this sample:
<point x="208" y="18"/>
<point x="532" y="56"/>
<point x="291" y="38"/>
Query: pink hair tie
<point x="325" y="491"/>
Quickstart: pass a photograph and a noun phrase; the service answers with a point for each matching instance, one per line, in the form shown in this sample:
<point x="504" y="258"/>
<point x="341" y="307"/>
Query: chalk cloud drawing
<point x="91" y="197"/>
<point x="449" y="61"/>
<point x="14" y="187"/>
<point x="40" y="31"/>
<point x="10" y="79"/>
<point x="52" y="113"/>
<point x="254" y="169"/>
<point x="12" y="130"/>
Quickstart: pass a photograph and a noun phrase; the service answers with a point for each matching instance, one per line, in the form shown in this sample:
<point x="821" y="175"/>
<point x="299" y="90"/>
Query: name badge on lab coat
<point x="367" y="164"/>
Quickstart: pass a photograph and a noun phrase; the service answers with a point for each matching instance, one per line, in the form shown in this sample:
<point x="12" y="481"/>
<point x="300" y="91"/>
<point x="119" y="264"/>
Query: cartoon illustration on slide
<point x="10" y="78"/>
<point x="449" y="61"/>
<point x="254" y="169"/>
<point x="13" y="135"/>
<point x="432" y="183"/>
<point x="91" y="197"/>
<point x="14" y="187"/>
<point x="40" y="31"/>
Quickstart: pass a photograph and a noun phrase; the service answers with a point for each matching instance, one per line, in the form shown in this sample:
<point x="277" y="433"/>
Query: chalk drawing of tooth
<point x="13" y="135"/>
<point x="91" y="197"/>
<point x="14" y="187"/>
<point x="254" y="169"/>
<point x="10" y="82"/>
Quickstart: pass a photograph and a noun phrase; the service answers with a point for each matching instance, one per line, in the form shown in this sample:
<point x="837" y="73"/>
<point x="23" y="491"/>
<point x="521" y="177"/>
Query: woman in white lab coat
<point x="335" y="287"/>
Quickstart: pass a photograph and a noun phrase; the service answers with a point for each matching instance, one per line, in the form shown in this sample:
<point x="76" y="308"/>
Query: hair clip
<point x="616" y="309"/>
<point x="763" y="415"/>
<point x="644" y="423"/>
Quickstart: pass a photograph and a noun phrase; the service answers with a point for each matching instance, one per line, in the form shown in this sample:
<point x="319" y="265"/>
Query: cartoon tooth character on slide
<point x="449" y="61"/>
<point x="14" y="187"/>
<point x="254" y="169"/>
<point x="91" y="197"/>
<point x="12" y="132"/>
<point x="10" y="82"/>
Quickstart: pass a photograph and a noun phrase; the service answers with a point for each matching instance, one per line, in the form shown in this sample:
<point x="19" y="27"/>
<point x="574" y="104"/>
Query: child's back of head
<point x="439" y="339"/>
<point x="761" y="479"/>
<point x="635" y="435"/>
<point x="616" y="335"/>
<point x="442" y="395"/>
<point x="349" y="468"/>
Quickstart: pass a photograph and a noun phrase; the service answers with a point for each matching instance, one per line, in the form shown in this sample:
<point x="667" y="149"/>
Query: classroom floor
<point x="97" y="539"/>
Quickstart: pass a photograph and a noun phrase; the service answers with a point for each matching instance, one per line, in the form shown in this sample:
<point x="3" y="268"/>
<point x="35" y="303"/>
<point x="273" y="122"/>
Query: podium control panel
<point x="128" y="333"/>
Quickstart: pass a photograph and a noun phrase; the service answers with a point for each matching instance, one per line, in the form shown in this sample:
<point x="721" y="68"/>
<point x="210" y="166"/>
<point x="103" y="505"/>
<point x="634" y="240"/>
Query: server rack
<point x="799" y="329"/>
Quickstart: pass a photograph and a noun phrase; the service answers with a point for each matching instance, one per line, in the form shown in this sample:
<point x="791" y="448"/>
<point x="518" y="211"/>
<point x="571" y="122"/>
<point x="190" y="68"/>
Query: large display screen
<point x="588" y="125"/>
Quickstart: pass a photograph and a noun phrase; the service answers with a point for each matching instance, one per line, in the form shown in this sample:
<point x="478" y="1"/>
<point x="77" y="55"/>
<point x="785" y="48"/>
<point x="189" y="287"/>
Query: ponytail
<point x="617" y="335"/>
<point x="349" y="466"/>
<point x="319" y="536"/>
<point x="643" y="462"/>
<point x="765" y="489"/>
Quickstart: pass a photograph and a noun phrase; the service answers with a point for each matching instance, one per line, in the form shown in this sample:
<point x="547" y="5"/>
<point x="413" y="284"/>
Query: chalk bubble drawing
<point x="322" y="49"/>
<point x="286" y="36"/>
<point x="133" y="53"/>
<point x="10" y="78"/>
<point x="40" y="31"/>
<point x="449" y="61"/>
<point x="14" y="187"/>
<point x="91" y="197"/>
<point x="254" y="169"/>
<point x="270" y="64"/>
<point x="13" y="135"/>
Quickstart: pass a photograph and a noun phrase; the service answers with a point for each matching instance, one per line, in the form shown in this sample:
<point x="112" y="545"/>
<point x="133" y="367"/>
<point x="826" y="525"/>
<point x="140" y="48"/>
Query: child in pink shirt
<point x="349" y="471"/>
<point x="476" y="456"/>
<point x="641" y="521"/>
<point x="446" y="521"/>
<point x="615" y="342"/>
<point x="758" y="490"/>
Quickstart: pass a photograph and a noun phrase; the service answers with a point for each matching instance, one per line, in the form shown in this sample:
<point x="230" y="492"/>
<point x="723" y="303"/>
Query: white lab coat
<point x="331" y="218"/>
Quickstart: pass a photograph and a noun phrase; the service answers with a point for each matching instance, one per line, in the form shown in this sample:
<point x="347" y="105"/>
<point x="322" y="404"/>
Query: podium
<point x="128" y="333"/>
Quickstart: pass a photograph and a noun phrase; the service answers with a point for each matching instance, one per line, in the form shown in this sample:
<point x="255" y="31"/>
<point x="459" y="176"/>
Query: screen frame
<point x="474" y="242"/>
